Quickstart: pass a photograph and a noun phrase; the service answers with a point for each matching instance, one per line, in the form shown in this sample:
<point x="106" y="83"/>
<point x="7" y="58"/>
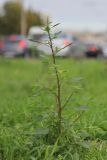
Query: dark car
<point x="14" y="46"/>
<point x="93" y="50"/>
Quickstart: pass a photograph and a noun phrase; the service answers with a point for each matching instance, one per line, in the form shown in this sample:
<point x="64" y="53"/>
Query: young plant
<point x="60" y="104"/>
<point x="57" y="134"/>
<point x="54" y="51"/>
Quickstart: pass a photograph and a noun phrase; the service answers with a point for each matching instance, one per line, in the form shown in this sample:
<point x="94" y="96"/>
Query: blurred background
<point x="83" y="22"/>
<point x="30" y="91"/>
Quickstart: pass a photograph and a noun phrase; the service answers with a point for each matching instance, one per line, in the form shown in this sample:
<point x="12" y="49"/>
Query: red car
<point x="93" y="50"/>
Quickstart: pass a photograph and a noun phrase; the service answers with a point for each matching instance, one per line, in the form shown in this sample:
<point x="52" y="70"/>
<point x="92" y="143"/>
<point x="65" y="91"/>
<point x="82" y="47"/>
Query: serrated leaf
<point x="55" y="25"/>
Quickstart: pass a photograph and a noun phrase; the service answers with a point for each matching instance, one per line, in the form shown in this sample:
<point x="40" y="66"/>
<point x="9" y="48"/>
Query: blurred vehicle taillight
<point x="1" y="45"/>
<point x="66" y="42"/>
<point x="93" y="49"/>
<point x="22" y="44"/>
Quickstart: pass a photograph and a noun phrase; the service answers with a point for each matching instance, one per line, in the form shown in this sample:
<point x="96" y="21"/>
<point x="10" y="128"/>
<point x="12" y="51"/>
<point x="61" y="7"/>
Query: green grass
<point x="21" y="106"/>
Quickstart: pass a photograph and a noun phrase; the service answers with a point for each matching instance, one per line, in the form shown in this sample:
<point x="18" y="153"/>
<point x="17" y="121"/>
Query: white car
<point x="75" y="48"/>
<point x="60" y="43"/>
<point x="104" y="49"/>
<point x="37" y="34"/>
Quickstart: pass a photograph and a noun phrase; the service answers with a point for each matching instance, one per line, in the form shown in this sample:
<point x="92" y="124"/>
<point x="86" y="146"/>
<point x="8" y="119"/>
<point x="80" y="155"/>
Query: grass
<point x="21" y="107"/>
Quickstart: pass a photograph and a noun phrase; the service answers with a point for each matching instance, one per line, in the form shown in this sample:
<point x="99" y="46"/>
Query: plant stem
<point x="58" y="97"/>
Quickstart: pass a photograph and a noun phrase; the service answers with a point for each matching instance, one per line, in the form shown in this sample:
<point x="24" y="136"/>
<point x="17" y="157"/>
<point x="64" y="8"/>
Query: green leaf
<point x="60" y="157"/>
<point x="85" y="145"/>
<point x="47" y="153"/>
<point x="32" y="158"/>
<point x="42" y="131"/>
<point x="76" y="156"/>
<point x="84" y="134"/>
<point x="55" y="25"/>
<point x="47" y="29"/>
<point x="54" y="37"/>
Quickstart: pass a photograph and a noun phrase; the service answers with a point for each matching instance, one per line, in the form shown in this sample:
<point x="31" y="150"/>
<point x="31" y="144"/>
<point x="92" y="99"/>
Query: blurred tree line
<point x="10" y="18"/>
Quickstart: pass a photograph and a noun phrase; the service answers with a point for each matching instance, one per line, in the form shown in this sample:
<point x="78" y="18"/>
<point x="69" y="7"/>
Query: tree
<point x="33" y="18"/>
<point x="11" y="18"/>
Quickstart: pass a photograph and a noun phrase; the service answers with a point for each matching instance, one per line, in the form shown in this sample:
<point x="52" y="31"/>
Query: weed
<point x="57" y="131"/>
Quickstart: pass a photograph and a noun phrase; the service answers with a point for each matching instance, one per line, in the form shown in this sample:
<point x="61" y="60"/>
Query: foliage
<point x="56" y="132"/>
<point x="50" y="125"/>
<point x="19" y="122"/>
<point x="10" y="18"/>
<point x="59" y="137"/>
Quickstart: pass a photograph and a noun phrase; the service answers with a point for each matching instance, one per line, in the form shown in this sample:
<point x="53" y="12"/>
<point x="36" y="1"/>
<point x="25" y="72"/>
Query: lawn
<point x="23" y="102"/>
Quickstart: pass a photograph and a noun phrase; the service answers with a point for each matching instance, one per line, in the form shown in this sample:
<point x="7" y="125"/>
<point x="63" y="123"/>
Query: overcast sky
<point x="79" y="14"/>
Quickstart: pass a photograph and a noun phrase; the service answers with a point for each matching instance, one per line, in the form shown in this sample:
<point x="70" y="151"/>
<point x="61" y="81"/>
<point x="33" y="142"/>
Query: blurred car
<point x="78" y="49"/>
<point x="104" y="49"/>
<point x="93" y="50"/>
<point x="60" y="42"/>
<point x="14" y="46"/>
<point x="36" y="34"/>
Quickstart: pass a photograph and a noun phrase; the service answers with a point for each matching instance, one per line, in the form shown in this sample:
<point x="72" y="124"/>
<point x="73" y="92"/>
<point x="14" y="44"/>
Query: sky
<point x="75" y="14"/>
